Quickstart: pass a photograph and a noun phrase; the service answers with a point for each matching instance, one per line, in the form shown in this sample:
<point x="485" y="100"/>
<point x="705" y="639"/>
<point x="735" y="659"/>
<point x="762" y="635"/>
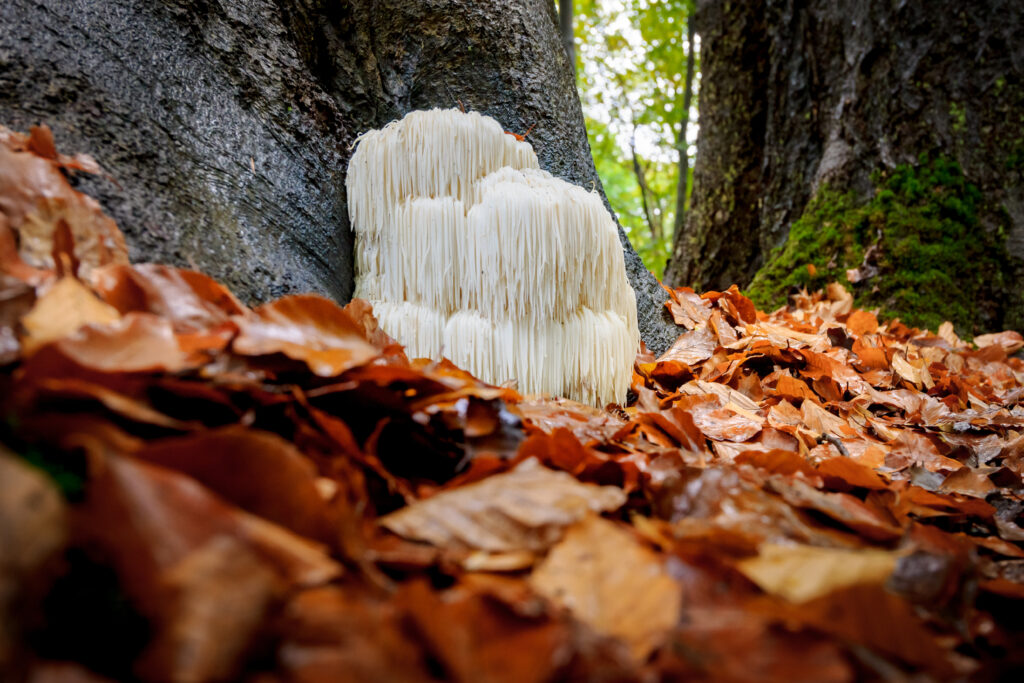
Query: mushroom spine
<point x="466" y="249"/>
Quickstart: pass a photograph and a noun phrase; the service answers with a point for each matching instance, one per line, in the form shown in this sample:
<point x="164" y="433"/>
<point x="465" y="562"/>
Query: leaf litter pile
<point x="195" y="490"/>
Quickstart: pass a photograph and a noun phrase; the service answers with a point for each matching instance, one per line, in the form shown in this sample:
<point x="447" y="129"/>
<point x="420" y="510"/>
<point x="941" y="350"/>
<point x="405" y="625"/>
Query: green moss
<point x="934" y="261"/>
<point x="959" y="117"/>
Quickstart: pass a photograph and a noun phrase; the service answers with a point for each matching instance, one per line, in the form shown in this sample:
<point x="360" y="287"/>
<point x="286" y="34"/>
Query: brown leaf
<point x="793" y="389"/>
<point x="613" y="583"/>
<point x="692" y="347"/>
<point x="480" y="636"/>
<point x="36" y="198"/>
<point x="688" y="308"/>
<point x="306" y="328"/>
<point x="33" y="530"/>
<point x="138" y="342"/>
<point x="526" y="508"/>
<point x="149" y="520"/>
<point x="114" y="401"/>
<point x="346" y="634"/>
<point x="190" y="300"/>
<point x="257" y="471"/>
<point x="862" y="322"/>
<point x="846" y="509"/>
<point x="16" y="299"/>
<point x="869" y="615"/>
<point x="221" y="592"/>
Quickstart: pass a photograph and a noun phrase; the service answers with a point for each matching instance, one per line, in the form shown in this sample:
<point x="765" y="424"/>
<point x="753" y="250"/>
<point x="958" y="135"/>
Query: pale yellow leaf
<point x="730" y="398"/>
<point x="527" y="508"/>
<point x="947" y="333"/>
<point x="906" y="370"/>
<point x="611" y="581"/>
<point x="66" y="306"/>
<point x="800" y="573"/>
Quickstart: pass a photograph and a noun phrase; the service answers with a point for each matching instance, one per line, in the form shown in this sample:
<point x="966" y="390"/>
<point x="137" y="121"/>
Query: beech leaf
<point x="609" y="580"/>
<point x="800" y="573"/>
<point x="525" y="508"/>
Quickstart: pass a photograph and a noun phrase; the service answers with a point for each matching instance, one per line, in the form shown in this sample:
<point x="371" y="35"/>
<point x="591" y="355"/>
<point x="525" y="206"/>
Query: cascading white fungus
<point x="466" y="249"/>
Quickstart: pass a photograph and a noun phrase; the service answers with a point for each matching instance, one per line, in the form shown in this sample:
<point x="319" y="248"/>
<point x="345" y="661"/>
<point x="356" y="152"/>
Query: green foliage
<point x="934" y="260"/>
<point x="631" y="72"/>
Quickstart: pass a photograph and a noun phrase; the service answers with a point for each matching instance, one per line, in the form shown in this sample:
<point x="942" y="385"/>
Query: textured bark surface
<point x="228" y="126"/>
<point x="715" y="249"/>
<point x="796" y="95"/>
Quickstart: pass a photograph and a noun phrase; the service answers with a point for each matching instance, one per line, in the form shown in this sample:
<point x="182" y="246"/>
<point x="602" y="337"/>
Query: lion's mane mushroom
<point x="465" y="248"/>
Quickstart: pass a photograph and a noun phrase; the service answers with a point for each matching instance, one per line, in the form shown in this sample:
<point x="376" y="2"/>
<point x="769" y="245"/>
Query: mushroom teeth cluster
<point x="466" y="249"/>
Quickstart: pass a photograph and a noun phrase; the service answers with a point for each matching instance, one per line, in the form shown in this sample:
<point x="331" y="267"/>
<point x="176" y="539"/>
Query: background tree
<point x="565" y="29"/>
<point x="879" y="142"/>
<point x="637" y="77"/>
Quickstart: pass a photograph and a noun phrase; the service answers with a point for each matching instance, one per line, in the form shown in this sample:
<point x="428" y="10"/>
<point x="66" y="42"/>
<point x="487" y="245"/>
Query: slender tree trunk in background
<point x="713" y="247"/>
<point x="801" y="96"/>
<point x="683" y="185"/>
<point x="645" y="191"/>
<point x="565" y="17"/>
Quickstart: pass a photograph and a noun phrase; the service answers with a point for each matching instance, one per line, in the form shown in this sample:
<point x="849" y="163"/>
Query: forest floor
<point x="279" y="493"/>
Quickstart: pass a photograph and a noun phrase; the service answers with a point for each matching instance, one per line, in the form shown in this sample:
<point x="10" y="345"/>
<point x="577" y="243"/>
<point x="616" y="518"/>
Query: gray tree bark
<point x="229" y="125"/>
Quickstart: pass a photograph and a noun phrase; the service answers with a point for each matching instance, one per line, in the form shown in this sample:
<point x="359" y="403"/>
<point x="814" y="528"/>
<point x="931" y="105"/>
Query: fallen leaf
<point x="258" y="471"/>
<point x="692" y="347"/>
<point x="610" y="581"/>
<point x="343" y="633"/>
<point x="306" y="328"/>
<point x="138" y="342"/>
<point x="33" y="531"/>
<point x="192" y="301"/>
<point x="800" y="573"/>
<point x="527" y="508"/>
<point x="61" y="311"/>
<point x="221" y="593"/>
<point x="861" y="323"/>
<point x="1011" y="341"/>
<point x="477" y="636"/>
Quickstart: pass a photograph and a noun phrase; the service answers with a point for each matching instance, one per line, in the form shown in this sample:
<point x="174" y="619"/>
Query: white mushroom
<point x="466" y="249"/>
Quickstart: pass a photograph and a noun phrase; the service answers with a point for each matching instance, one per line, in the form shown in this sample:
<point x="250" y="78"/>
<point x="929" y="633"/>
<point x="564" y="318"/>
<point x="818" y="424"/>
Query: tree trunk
<point x="837" y="102"/>
<point x="714" y="249"/>
<point x="229" y="126"/>
<point x="683" y="185"/>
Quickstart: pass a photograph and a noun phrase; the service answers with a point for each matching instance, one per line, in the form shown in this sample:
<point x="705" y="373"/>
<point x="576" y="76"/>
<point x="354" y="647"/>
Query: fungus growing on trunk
<point x="466" y="249"/>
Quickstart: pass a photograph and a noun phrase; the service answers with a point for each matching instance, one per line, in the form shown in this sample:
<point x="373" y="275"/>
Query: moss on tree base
<point x="917" y="246"/>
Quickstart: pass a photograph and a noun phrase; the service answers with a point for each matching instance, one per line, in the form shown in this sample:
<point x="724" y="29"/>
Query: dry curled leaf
<point x="610" y="581"/>
<point x="305" y="328"/>
<point x="527" y="508"/>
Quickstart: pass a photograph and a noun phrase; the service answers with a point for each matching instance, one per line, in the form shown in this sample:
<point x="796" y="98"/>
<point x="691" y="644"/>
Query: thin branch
<point x="641" y="179"/>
